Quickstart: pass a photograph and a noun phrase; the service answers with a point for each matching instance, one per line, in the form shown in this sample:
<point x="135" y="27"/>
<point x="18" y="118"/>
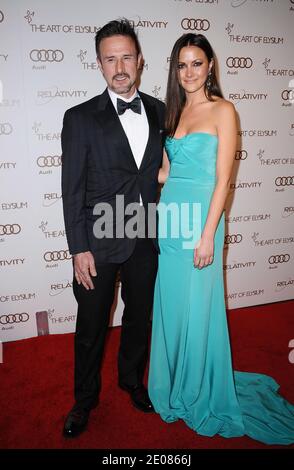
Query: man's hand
<point x="84" y="266"/>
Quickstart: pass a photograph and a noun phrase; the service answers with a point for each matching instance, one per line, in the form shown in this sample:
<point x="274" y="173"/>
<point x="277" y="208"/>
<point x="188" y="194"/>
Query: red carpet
<point x="37" y="379"/>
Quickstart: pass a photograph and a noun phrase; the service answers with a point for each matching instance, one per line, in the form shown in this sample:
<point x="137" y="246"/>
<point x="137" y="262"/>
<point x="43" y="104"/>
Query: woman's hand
<point x="203" y="253"/>
<point x="164" y="170"/>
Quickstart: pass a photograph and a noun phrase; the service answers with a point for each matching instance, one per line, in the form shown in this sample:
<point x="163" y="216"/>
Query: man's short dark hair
<point x="120" y="27"/>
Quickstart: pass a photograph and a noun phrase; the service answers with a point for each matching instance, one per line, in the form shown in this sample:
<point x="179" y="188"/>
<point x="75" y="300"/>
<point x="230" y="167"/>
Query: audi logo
<point x="234" y="238"/>
<point x="274" y="259"/>
<point x="284" y="181"/>
<point x="239" y="62"/>
<point x="195" y="24"/>
<point x="57" y="255"/>
<point x="14" y="318"/>
<point x="46" y="55"/>
<point x="10" y="229"/>
<point x="5" y="128"/>
<point x="49" y="161"/>
<point x="241" y="155"/>
<point x="1" y="16"/>
<point x="287" y="95"/>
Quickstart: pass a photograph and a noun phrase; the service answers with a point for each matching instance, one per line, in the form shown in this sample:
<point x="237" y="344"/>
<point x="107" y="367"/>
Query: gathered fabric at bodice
<point x="192" y="158"/>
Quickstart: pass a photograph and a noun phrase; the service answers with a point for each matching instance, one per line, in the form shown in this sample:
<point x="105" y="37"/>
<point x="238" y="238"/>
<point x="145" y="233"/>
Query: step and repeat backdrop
<point x="48" y="64"/>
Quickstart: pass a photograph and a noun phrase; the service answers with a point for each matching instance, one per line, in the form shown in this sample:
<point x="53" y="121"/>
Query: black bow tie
<point x="134" y="105"/>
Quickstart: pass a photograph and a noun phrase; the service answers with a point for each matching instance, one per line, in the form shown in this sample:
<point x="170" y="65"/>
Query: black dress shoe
<point x="139" y="397"/>
<point x="76" y="421"/>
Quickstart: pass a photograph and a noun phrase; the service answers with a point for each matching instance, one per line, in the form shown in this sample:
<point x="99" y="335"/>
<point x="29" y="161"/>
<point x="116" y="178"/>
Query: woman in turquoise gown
<point x="191" y="376"/>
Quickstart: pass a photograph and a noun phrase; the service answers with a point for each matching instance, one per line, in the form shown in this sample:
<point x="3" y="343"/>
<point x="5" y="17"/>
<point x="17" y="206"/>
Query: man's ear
<point x="140" y="61"/>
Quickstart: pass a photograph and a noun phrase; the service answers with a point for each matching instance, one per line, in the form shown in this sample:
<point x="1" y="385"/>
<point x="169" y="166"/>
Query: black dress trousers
<point x="137" y="275"/>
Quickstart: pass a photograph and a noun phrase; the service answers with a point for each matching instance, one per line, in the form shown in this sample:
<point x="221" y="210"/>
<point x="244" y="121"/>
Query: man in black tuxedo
<point x="111" y="146"/>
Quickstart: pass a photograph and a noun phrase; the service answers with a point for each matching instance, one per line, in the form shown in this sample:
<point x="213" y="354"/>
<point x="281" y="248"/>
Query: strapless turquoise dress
<point x="191" y="376"/>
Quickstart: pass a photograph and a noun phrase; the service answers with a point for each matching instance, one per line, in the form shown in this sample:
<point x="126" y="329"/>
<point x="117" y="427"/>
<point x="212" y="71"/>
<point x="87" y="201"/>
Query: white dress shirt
<point x="136" y="127"/>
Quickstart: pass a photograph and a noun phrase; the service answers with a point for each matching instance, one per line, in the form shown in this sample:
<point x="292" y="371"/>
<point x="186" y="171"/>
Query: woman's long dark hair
<point x="175" y="95"/>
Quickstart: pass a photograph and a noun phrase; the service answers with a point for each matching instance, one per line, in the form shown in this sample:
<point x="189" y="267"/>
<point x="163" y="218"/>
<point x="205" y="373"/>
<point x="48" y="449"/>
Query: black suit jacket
<point x="98" y="164"/>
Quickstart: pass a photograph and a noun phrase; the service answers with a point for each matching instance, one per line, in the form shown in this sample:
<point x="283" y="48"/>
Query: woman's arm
<point x="164" y="170"/>
<point x="227" y="140"/>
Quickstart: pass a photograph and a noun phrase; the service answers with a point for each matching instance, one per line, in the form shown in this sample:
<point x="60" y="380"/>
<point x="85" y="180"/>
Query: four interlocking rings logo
<point x="239" y="62"/>
<point x="195" y="24"/>
<point x="14" y="318"/>
<point x="10" y="229"/>
<point x="49" y="161"/>
<point x="287" y="95"/>
<point x="57" y="255"/>
<point x="241" y="155"/>
<point x="46" y="55"/>
<point x="234" y="238"/>
<point x="5" y="128"/>
<point x="284" y="181"/>
<point x="1" y="16"/>
<point x="275" y="259"/>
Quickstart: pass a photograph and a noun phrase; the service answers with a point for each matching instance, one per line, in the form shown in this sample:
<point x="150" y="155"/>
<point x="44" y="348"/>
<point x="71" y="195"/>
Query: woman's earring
<point x="209" y="82"/>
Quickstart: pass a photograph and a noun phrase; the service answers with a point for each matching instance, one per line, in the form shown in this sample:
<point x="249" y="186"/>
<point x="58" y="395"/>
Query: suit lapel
<point x="153" y="129"/>
<point x="113" y="131"/>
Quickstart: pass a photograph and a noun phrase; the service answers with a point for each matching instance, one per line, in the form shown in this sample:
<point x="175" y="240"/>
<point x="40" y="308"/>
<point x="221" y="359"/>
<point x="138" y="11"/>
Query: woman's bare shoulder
<point x="223" y="111"/>
<point x="222" y="105"/>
